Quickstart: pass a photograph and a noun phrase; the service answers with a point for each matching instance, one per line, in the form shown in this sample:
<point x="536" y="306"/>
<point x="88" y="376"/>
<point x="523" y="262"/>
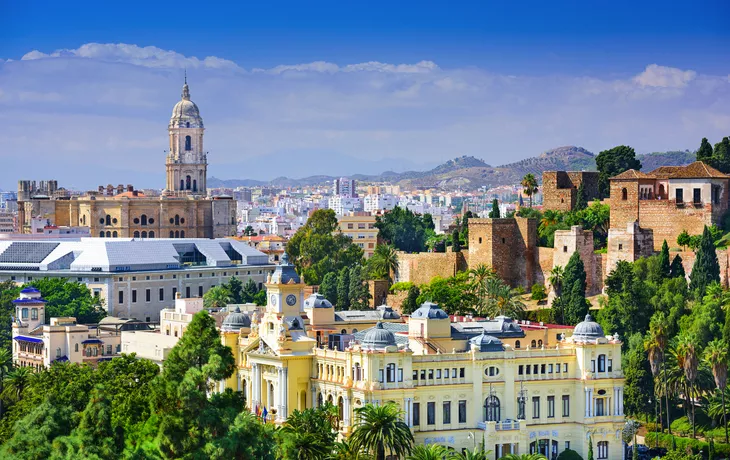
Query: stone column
<point x="346" y="411"/>
<point x="238" y="382"/>
<point x="620" y="401"/>
<point x="284" y="393"/>
<point x="280" y="391"/>
<point x="587" y="403"/>
<point x="255" y="387"/>
<point x="408" y="412"/>
<point x="593" y="404"/>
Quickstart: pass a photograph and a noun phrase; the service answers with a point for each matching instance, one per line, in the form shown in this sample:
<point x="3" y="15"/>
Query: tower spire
<point x="186" y="90"/>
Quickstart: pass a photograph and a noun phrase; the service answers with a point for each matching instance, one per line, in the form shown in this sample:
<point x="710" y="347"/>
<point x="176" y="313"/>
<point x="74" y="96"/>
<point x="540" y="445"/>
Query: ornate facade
<point x="514" y="388"/>
<point x="182" y="211"/>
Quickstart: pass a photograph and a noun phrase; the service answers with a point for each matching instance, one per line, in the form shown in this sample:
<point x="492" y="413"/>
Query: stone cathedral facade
<point x="183" y="210"/>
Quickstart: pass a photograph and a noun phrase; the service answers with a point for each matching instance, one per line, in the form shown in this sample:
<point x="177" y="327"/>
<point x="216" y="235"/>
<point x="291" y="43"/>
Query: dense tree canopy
<point x="612" y="162"/>
<point x="405" y="230"/>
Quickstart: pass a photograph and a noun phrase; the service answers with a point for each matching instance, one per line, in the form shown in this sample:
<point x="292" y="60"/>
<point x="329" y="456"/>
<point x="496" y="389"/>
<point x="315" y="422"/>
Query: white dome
<point x="185" y="114"/>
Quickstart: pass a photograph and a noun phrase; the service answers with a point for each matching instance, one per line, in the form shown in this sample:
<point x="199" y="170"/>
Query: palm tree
<point x="716" y="355"/>
<point x="345" y="451"/>
<point x="688" y="361"/>
<point x="556" y="279"/>
<point x="385" y="261"/>
<point x="549" y="217"/>
<point x="381" y="429"/>
<point x="216" y="298"/>
<point x="309" y="433"/>
<point x="530" y="185"/>
<point x="658" y="327"/>
<point x="501" y="300"/>
<point x="16" y="382"/>
<point x="479" y="276"/>
<point x="6" y="365"/>
<point x="477" y="454"/>
<point x="429" y="452"/>
<point x="656" y="357"/>
<point x="524" y="457"/>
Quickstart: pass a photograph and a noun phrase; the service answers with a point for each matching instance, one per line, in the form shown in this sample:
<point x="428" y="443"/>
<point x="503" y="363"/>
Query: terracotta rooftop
<point x="632" y="174"/>
<point x="696" y="170"/>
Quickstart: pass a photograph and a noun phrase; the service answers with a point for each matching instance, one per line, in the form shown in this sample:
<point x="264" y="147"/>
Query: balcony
<point x="504" y="425"/>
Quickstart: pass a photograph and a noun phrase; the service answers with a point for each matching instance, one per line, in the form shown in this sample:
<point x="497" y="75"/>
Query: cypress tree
<point x="580" y="199"/>
<point x="706" y="268"/>
<point x="590" y="448"/>
<point x="676" y="270"/>
<point x="704" y="153"/>
<point x="573" y="299"/>
<point x="343" y="289"/>
<point x="359" y="293"/>
<point x="494" y="213"/>
<point x="410" y="304"/>
<point x="664" y="265"/>
<point x="328" y="288"/>
<point x="455" y="243"/>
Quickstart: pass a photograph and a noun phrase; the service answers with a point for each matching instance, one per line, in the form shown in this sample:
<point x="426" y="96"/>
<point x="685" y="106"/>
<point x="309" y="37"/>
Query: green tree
<point x="404" y="230"/>
<point x="706" y="268"/>
<point x="529" y="186"/>
<point x="625" y="312"/>
<point x="455" y="294"/>
<point x="683" y="239"/>
<point x="676" y="269"/>
<point x="248" y="231"/>
<point x="429" y="452"/>
<point x="307" y="435"/>
<point x="9" y="291"/>
<point x="465" y="227"/>
<point x="260" y="298"/>
<point x="573" y="299"/>
<point x="34" y="434"/>
<point x="246" y="438"/>
<point x="494" y="212"/>
<point x="318" y="247"/>
<point x="556" y="279"/>
<point x="359" y="293"/>
<point x="581" y="201"/>
<point x="343" y="289"/>
<point x="455" y="242"/>
<point x="94" y="436"/>
<point x="501" y="301"/>
<point x="569" y="454"/>
<point x="328" y="288"/>
<point x="704" y="153"/>
<point x="249" y="291"/>
<point x="535" y="456"/>
<point x="613" y="162"/>
<point x="384" y="262"/>
<point x="410" y="304"/>
<point x="664" y="264"/>
<point x="716" y="357"/>
<point x="15" y="384"/>
<point x="235" y="287"/>
<point x="67" y="298"/>
<point x="688" y="360"/>
<point x="380" y="430"/>
<point x="721" y="155"/>
<point x="216" y="298"/>
<point x="477" y="453"/>
<point x="637" y="372"/>
<point x="6" y="365"/>
<point x="590" y="448"/>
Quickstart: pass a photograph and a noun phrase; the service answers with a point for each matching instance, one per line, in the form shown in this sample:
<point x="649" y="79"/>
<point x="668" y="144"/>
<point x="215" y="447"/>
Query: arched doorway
<point x="492" y="409"/>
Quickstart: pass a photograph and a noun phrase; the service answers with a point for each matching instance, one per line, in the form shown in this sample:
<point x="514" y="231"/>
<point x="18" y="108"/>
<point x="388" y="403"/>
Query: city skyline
<point x="76" y="93"/>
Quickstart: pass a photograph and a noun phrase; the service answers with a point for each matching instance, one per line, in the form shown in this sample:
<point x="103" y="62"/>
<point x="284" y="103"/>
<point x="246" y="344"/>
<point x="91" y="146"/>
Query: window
<point x="624" y="194"/>
<point x="535" y="407"/>
<point x="400" y="375"/>
<point x="380" y="371"/>
<point x="542" y="368"/>
<point x="520" y="369"/>
<point x="567" y="445"/>
<point x="447" y="413"/>
<point x="134" y="295"/>
<point x="76" y="347"/>
<point x="528" y="369"/>
<point x="423" y="374"/>
<point x="492" y="409"/>
<point x="600" y="412"/>
<point x="135" y="234"/>
<point x="462" y="411"/>
<point x="697" y="196"/>
<point x="121" y="296"/>
<point x="416" y="414"/>
<point x="174" y="292"/>
<point x="517" y="344"/>
<point x="565" y="367"/>
<point x="390" y="373"/>
<point x="461" y="373"/>
<point x="430" y="374"/>
<point x="551" y="406"/>
<point x="162" y="294"/>
<point x="550" y="368"/>
<point x="679" y="195"/>
<point x="108" y="349"/>
<point x="565" y="248"/>
<point x="34" y="313"/>
<point x="610" y="365"/>
<point x="24" y="313"/>
<point x="188" y="143"/>
<point x="593" y="365"/>
<point x="415" y="374"/>
<point x="602" y="449"/>
<point x="453" y="373"/>
<point x="431" y="413"/>
<point x="148" y="295"/>
<point x="438" y="373"/>
<point x="200" y="291"/>
<point x="601" y="363"/>
<point x="533" y="344"/>
<point x="491" y="371"/>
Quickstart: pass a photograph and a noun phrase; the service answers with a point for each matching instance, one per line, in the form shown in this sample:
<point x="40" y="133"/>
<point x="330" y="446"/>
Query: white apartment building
<point x="342" y="205"/>
<point x="375" y="203"/>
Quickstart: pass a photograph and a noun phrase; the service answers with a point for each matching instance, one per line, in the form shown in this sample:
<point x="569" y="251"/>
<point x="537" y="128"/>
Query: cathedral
<point x="183" y="209"/>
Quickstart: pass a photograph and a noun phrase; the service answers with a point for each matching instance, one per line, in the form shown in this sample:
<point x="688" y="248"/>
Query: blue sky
<point x="499" y="80"/>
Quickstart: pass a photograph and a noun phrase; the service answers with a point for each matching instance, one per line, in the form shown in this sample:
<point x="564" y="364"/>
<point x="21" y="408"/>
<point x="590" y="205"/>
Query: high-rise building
<point x="344" y="187"/>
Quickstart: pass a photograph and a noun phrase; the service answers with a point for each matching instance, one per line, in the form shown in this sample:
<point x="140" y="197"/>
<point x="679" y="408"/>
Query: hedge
<point x="665" y="440"/>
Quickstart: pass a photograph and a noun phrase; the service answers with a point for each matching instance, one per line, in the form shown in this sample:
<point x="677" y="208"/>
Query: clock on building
<point x="272" y="299"/>
<point x="291" y="299"/>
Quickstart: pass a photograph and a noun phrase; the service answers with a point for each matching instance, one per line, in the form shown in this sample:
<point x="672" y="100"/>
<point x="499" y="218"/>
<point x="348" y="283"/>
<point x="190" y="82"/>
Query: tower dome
<point x="378" y="338"/>
<point x="588" y="330"/>
<point x="185" y="114"/>
<point x="486" y="342"/>
<point x="235" y="321"/>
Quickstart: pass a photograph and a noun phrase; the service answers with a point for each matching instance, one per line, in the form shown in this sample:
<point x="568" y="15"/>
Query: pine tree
<point x="455" y="243"/>
<point x="580" y="198"/>
<point x="235" y="287"/>
<point x="328" y="288"/>
<point x="494" y="213"/>
<point x="664" y="265"/>
<point x="676" y="270"/>
<point x="343" y="289"/>
<point x="704" y="153"/>
<point x="410" y="304"/>
<point x="249" y="291"/>
<point x="359" y="293"/>
<point x="573" y="298"/>
<point x="706" y="268"/>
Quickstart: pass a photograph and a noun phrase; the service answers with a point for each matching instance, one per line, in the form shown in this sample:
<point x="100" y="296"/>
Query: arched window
<point x="95" y="351"/>
<point x="108" y="234"/>
<point x="136" y="234"/>
<point x="177" y="219"/>
<point x="144" y="234"/>
<point x="344" y="331"/>
<point x="177" y="234"/>
<point x="114" y="234"/>
<point x="539" y="343"/>
<point x="188" y="143"/>
<point x="187" y="125"/>
<point x="34" y="313"/>
<point x="491" y="409"/>
<point x="182" y="233"/>
<point x="76" y="347"/>
<point x="517" y="344"/>
<point x="533" y="344"/>
<point x="108" y="219"/>
<point x="624" y="194"/>
<point x="187" y="182"/>
<point x="354" y="331"/>
<point x="101" y="234"/>
<point x="661" y="190"/>
<point x="172" y="234"/>
<point x="152" y="234"/>
<point x="143" y="218"/>
<point x="601" y="363"/>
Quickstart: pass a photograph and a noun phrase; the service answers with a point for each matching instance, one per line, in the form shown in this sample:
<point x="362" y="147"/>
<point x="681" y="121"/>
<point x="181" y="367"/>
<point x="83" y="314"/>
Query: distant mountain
<point x="470" y="173"/>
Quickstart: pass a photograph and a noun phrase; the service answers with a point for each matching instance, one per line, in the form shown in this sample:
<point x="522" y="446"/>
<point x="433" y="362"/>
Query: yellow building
<point x="182" y="211"/>
<point x="459" y="384"/>
<point x="360" y="226"/>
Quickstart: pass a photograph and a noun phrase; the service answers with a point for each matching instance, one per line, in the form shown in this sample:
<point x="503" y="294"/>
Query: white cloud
<point x="665" y="77"/>
<point x="62" y="111"/>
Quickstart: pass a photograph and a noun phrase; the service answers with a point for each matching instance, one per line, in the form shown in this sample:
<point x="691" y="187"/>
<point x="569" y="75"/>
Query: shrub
<point x="569" y="454"/>
<point x="538" y="292"/>
<point x="401" y="286"/>
<point x="665" y="440"/>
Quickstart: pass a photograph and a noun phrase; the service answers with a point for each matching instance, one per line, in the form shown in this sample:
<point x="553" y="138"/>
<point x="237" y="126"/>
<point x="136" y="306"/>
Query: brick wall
<point x="421" y="268"/>
<point x="578" y="240"/>
<point x="378" y="292"/>
<point x="628" y="244"/>
<point x="559" y="188"/>
<point x="624" y="211"/>
<point x="667" y="220"/>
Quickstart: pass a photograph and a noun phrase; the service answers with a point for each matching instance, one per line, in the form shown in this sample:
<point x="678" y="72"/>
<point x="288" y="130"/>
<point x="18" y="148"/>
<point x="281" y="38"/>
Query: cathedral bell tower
<point x="186" y="163"/>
